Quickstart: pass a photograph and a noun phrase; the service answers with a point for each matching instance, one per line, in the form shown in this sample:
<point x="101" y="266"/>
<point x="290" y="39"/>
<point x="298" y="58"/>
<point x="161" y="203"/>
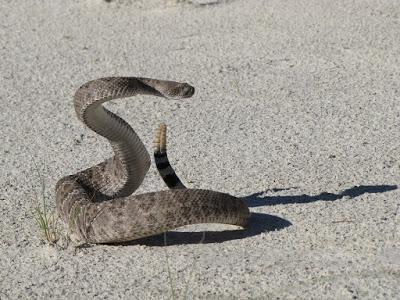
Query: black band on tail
<point x="161" y="159"/>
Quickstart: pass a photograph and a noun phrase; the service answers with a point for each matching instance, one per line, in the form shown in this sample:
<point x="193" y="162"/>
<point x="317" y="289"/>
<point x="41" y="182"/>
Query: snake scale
<point x="97" y="203"/>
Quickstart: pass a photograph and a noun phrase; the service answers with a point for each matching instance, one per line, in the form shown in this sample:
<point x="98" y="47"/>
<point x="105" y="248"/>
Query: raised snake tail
<point x="163" y="165"/>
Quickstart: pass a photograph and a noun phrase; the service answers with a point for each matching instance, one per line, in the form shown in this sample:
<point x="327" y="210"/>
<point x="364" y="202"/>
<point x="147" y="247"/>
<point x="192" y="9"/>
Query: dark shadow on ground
<point x="260" y="199"/>
<point x="258" y="224"/>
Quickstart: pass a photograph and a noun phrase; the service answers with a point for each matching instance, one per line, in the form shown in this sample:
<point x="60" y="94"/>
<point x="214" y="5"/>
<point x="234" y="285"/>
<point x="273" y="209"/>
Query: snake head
<point x="170" y="89"/>
<point x="180" y="90"/>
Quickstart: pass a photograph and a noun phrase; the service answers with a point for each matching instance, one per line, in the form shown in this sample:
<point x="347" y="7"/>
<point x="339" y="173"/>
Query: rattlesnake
<point x="97" y="203"/>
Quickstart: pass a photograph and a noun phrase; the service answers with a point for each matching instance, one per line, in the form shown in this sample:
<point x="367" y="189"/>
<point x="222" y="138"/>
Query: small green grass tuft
<point x="46" y="220"/>
<point x="47" y="223"/>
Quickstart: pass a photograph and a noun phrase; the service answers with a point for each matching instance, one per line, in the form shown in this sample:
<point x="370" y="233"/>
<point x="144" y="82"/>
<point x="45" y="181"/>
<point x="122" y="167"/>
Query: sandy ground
<point x="296" y="110"/>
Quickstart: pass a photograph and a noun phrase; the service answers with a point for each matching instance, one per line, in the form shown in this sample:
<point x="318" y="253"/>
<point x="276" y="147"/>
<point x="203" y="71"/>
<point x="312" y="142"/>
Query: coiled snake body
<point x="97" y="203"/>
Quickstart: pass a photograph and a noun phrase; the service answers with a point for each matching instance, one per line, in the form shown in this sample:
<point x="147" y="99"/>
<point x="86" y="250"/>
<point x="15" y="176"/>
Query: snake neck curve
<point x="122" y="174"/>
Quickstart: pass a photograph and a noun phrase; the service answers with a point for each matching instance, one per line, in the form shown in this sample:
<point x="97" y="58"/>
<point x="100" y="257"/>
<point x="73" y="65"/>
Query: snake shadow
<point x="258" y="223"/>
<point x="260" y="199"/>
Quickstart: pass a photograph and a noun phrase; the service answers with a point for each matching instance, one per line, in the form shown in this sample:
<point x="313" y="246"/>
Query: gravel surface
<point x="296" y="110"/>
